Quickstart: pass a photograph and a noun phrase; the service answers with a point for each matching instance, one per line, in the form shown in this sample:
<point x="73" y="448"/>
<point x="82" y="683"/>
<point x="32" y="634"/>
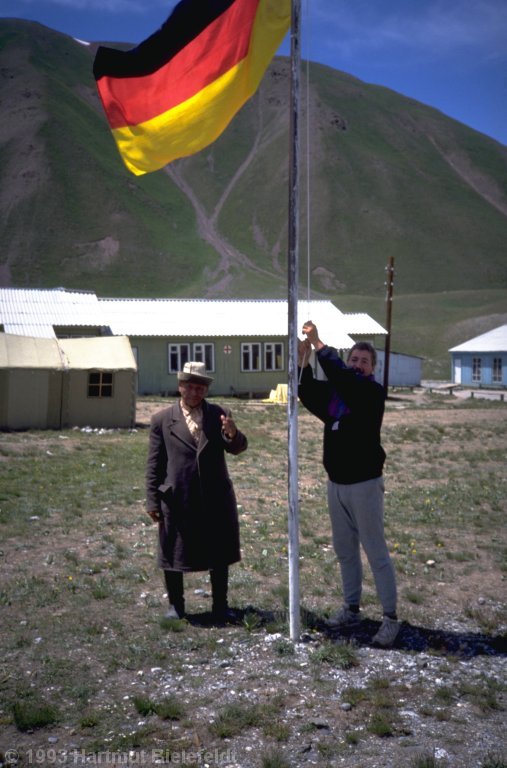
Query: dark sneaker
<point x="387" y="633"/>
<point x="343" y="618"/>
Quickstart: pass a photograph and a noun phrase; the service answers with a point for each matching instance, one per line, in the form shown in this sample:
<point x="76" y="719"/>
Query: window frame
<point x="497" y="370"/>
<point x="182" y="352"/>
<point x="247" y="347"/>
<point x="105" y="389"/>
<point x="476" y="370"/>
<point x="270" y="347"/>
<point x="204" y="352"/>
<point x="176" y="349"/>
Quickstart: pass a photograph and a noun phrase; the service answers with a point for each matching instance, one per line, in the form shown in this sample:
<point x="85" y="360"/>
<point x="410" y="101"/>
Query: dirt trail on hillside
<point x="484" y="185"/>
<point x="219" y="279"/>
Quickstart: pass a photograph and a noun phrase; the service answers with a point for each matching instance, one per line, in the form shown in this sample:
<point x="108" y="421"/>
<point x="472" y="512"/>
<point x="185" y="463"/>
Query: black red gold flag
<point x="177" y="91"/>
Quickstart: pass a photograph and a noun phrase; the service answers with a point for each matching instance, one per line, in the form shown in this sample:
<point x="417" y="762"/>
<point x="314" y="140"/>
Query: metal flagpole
<point x="293" y="275"/>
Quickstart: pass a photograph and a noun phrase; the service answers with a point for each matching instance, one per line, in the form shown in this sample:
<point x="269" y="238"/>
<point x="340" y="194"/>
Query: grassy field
<point x="88" y="665"/>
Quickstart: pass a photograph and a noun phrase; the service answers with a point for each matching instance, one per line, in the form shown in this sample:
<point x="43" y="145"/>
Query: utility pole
<point x="389" y="309"/>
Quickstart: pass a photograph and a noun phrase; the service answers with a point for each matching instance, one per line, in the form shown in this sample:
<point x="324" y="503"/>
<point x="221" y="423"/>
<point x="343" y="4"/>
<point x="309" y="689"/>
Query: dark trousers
<point x="219" y="588"/>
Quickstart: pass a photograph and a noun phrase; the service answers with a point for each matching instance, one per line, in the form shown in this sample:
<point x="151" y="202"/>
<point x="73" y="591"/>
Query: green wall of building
<point x="153" y="365"/>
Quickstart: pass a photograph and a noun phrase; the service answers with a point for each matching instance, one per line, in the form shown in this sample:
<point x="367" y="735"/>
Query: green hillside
<point x="388" y="177"/>
<point x="70" y="213"/>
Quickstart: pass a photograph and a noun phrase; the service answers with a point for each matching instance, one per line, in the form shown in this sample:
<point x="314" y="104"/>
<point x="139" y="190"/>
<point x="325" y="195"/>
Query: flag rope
<point x="308" y="183"/>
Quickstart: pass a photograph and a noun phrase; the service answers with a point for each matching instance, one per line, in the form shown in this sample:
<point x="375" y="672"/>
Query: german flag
<point x="177" y="91"/>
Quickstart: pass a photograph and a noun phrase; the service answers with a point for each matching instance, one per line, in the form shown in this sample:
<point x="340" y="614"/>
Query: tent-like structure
<point x="57" y="383"/>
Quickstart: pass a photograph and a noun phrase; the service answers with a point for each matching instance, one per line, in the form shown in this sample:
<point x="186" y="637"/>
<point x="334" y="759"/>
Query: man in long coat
<point x="189" y="490"/>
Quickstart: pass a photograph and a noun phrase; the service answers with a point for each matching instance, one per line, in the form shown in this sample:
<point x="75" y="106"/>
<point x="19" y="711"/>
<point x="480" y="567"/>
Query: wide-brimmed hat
<point x="193" y="371"/>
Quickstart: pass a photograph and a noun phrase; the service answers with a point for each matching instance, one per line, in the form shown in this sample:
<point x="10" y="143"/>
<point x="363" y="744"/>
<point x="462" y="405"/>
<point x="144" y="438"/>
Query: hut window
<point x="250" y="357"/>
<point x="273" y="357"/>
<point x="476" y="369"/>
<point x="179" y="354"/>
<point x="100" y="384"/>
<point x="497" y="370"/>
<point x="205" y="353"/>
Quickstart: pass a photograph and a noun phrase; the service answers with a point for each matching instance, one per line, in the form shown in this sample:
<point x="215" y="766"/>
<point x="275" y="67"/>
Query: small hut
<point x="57" y="383"/>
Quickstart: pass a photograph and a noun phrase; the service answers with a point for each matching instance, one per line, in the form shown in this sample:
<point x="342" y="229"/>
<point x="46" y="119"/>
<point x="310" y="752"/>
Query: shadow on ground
<point x="410" y="638"/>
<point x="421" y="639"/>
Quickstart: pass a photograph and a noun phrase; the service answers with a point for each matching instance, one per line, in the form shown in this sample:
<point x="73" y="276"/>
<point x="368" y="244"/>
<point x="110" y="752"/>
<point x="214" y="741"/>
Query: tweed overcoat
<point x="191" y="488"/>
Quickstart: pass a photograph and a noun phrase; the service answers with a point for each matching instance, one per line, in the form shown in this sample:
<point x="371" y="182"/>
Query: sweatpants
<point x="357" y="518"/>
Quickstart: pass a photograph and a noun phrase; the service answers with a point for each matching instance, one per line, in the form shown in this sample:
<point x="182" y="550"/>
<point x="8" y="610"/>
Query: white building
<point x="481" y="361"/>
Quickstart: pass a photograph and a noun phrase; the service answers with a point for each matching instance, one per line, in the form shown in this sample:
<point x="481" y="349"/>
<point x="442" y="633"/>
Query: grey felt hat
<point x="193" y="371"/>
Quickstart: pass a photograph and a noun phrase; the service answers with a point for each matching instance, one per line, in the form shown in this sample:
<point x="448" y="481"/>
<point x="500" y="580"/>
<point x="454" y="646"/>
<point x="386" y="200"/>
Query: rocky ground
<point x="81" y="614"/>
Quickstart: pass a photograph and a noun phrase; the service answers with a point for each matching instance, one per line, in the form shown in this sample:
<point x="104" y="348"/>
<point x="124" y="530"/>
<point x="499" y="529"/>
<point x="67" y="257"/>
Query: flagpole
<point x="293" y="275"/>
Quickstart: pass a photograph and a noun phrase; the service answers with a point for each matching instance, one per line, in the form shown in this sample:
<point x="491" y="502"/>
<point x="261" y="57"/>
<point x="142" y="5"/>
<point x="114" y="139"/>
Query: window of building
<point x="205" y="353"/>
<point x="100" y="384"/>
<point x="273" y="357"/>
<point x="251" y="357"/>
<point x="476" y="369"/>
<point x="179" y="354"/>
<point x="497" y="370"/>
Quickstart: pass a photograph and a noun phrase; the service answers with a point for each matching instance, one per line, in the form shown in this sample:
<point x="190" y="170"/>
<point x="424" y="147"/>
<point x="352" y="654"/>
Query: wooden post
<point x="389" y="305"/>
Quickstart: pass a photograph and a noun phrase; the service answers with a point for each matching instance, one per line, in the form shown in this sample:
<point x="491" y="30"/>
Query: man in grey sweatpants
<point x="351" y="405"/>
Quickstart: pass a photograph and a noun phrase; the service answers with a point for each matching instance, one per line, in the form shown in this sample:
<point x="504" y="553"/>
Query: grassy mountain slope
<point x="388" y="177"/>
<point x="70" y="213"/>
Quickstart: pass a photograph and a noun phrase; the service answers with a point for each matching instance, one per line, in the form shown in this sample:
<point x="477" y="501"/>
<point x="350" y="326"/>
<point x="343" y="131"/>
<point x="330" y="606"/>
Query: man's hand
<point x="155" y="515"/>
<point x="312" y="335"/>
<point x="228" y="426"/>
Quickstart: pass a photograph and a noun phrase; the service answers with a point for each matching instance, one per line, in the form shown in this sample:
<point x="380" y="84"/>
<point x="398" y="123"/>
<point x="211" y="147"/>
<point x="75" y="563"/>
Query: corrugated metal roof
<point x="201" y="317"/>
<point x="492" y="341"/>
<point x="34" y="312"/>
<point x="361" y="323"/>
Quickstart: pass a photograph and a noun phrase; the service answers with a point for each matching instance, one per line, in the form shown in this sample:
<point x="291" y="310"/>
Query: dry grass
<point x="88" y="665"/>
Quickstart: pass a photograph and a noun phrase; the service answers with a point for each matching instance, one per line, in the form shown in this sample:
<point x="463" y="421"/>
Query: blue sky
<point x="449" y="54"/>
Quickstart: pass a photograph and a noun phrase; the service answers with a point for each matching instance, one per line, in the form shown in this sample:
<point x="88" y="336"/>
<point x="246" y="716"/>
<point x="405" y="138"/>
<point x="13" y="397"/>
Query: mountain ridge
<point x="389" y="176"/>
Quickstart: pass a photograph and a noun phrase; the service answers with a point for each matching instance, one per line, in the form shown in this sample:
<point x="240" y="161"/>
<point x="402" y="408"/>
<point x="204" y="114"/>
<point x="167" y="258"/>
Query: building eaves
<point x="35" y="312"/>
<point x="215" y="318"/>
<point x="362" y="323"/>
<point x="492" y="341"/>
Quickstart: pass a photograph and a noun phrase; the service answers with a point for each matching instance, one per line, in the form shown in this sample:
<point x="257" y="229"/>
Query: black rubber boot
<point x="174" y="586"/>
<point x="219" y="588"/>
